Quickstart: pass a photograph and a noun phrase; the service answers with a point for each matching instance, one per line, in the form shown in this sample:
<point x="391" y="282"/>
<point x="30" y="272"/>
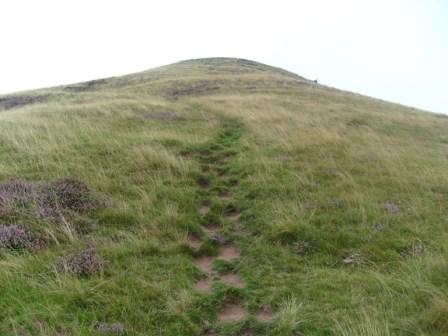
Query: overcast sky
<point x="395" y="50"/>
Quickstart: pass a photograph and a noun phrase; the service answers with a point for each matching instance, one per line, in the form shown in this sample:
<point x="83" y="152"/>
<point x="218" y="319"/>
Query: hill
<point x="220" y="197"/>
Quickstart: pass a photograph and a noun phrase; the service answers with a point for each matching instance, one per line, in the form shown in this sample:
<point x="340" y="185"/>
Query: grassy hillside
<point x="220" y="197"/>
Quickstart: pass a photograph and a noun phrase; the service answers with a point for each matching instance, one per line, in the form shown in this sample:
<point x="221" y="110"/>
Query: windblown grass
<point x="315" y="168"/>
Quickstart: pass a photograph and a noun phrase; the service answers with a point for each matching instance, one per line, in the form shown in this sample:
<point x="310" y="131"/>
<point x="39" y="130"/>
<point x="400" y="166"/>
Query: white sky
<point x="395" y="50"/>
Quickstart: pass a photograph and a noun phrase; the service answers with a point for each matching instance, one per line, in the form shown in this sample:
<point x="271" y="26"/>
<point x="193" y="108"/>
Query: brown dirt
<point x="224" y="194"/>
<point x="232" y="312"/>
<point x="203" y="286"/>
<point x="203" y="183"/>
<point x="233" y="216"/>
<point x="204" y="209"/>
<point x="228" y="252"/>
<point x="205" y="264"/>
<point x="233" y="280"/>
<point x="211" y="229"/>
<point x="194" y="242"/>
<point x="264" y="315"/>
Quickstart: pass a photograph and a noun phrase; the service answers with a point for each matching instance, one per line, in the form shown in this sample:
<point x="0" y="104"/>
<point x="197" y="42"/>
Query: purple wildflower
<point x="14" y="237"/>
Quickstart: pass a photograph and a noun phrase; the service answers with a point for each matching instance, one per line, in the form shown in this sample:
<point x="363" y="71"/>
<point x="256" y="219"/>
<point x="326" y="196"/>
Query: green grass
<point x="309" y="167"/>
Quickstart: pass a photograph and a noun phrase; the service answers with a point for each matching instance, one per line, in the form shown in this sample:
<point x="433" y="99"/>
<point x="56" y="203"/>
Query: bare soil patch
<point x="203" y="183"/>
<point x="232" y="312"/>
<point x="228" y="252"/>
<point x="211" y="229"/>
<point x="203" y="286"/>
<point x="204" y="209"/>
<point x="233" y="280"/>
<point x="224" y="194"/>
<point x="204" y="264"/>
<point x="194" y="242"/>
<point x="233" y="215"/>
<point x="265" y="315"/>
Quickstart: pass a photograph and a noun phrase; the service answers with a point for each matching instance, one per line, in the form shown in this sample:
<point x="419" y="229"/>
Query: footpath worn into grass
<point x="220" y="197"/>
<point x="216" y="243"/>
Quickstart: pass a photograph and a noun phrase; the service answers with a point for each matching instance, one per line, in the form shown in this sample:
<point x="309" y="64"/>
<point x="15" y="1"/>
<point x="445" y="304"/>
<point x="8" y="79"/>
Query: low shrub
<point x="67" y="193"/>
<point x="14" y="237"/>
<point x="84" y="263"/>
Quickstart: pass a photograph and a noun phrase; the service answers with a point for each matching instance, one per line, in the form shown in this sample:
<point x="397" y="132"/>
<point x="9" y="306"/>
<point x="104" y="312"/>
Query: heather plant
<point x="68" y="194"/>
<point x="15" y="196"/>
<point x="65" y="202"/>
<point x="14" y="237"/>
<point x="84" y="263"/>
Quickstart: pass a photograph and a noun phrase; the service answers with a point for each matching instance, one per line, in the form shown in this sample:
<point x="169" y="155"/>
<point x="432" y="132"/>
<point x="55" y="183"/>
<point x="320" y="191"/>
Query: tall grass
<point x="315" y="167"/>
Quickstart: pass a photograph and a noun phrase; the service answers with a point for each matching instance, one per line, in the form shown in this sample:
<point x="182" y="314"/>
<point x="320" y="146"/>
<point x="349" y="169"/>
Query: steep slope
<point x="220" y="197"/>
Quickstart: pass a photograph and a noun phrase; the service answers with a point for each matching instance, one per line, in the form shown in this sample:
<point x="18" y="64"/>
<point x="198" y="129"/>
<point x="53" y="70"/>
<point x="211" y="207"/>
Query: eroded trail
<point x="217" y="246"/>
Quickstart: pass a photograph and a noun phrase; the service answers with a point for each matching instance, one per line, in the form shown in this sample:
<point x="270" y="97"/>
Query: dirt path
<point x="217" y="252"/>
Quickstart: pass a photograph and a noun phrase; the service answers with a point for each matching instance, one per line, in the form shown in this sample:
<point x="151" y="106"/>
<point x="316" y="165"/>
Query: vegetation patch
<point x="84" y="263"/>
<point x="110" y="328"/>
<point x="47" y="198"/>
<point x="14" y="237"/>
<point x="10" y="102"/>
<point x="67" y="193"/>
<point x="86" y="86"/>
<point x="65" y="203"/>
<point x="162" y="115"/>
